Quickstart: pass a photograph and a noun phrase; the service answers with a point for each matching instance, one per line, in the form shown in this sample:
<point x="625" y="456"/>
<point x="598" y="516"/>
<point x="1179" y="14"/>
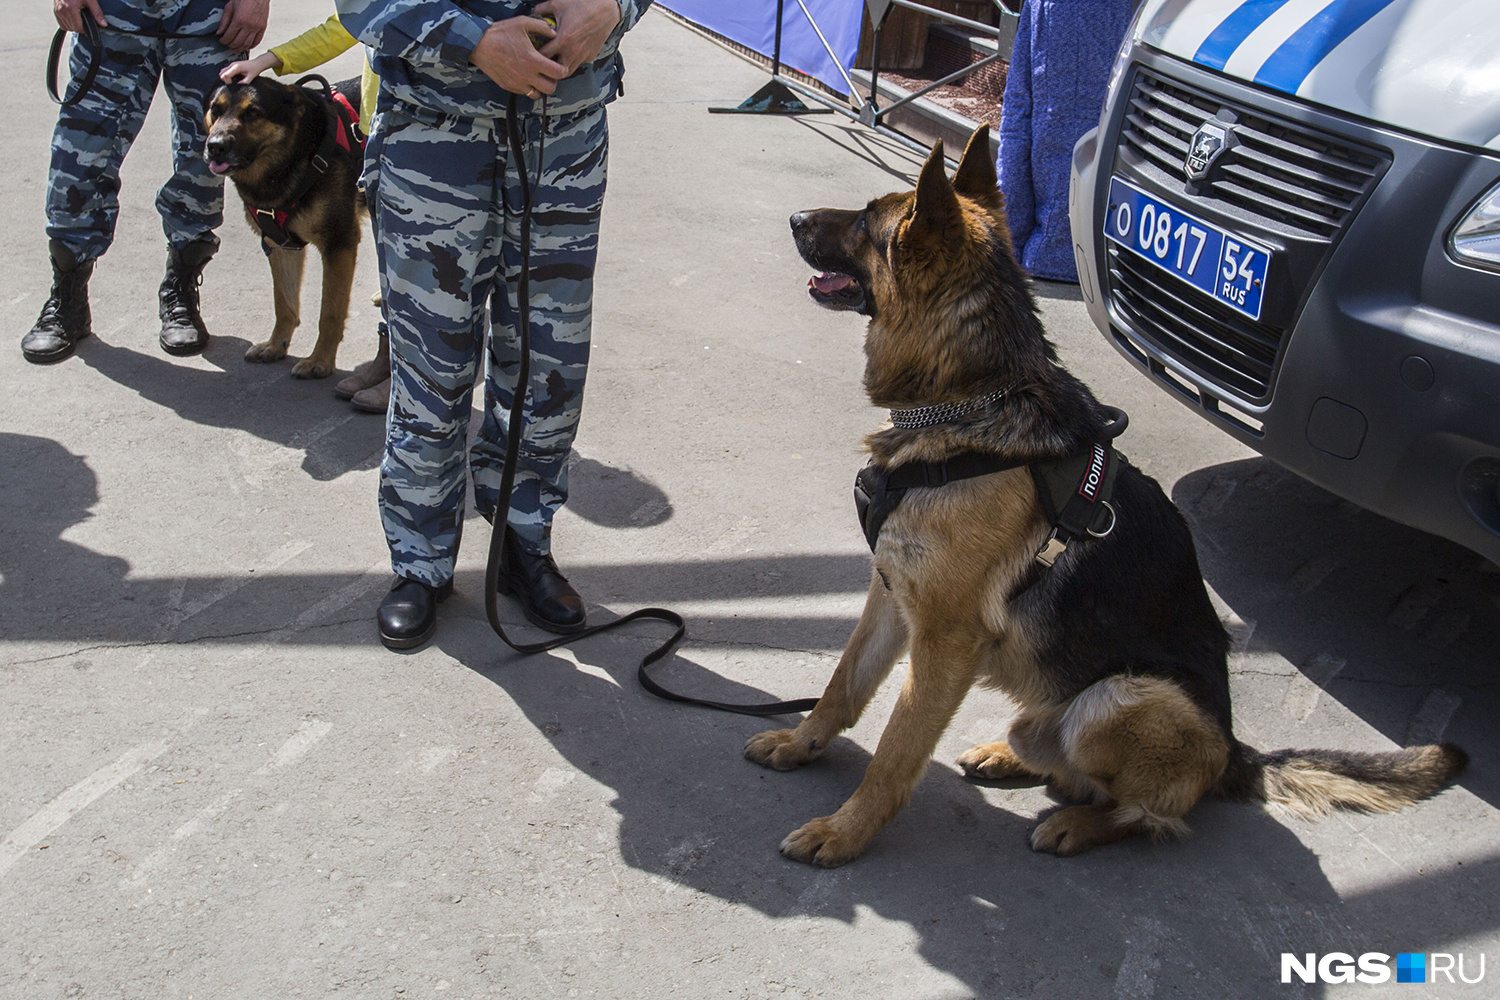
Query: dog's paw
<point x="779" y="749"/>
<point x="312" y="368"/>
<point x="266" y="352"/>
<point x="993" y="761"/>
<point x="819" y="842"/>
<point x="1074" y="830"/>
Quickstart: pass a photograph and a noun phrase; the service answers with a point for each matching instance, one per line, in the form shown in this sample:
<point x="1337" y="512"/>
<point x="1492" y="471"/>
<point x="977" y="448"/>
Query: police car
<point x="1289" y="218"/>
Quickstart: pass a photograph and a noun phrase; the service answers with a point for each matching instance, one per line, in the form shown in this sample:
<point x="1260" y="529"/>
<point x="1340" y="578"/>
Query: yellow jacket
<point x="315" y="47"/>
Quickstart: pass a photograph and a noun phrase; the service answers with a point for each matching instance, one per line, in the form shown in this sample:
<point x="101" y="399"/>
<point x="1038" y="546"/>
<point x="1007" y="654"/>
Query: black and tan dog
<point x="296" y="164"/>
<point x="1114" y="655"/>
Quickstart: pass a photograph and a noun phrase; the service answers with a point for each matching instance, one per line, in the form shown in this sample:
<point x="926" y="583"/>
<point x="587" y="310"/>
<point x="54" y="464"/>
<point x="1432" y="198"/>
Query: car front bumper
<point x="1385" y="387"/>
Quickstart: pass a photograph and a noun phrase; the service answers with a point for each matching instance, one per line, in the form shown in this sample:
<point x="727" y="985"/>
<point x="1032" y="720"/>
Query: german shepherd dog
<point x="1114" y="656"/>
<point x="266" y="136"/>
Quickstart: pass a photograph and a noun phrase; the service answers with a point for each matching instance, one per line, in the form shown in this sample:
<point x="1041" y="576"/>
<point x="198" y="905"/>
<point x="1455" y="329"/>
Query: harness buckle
<point x="320" y="164"/>
<point x="1049" y="553"/>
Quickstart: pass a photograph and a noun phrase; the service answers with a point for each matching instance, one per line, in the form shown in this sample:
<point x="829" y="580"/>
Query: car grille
<point x="1285" y="173"/>
<point x="1230" y="350"/>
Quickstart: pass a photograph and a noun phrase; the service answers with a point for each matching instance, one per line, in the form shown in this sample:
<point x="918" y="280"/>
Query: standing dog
<point x="295" y="161"/>
<point x="1113" y="654"/>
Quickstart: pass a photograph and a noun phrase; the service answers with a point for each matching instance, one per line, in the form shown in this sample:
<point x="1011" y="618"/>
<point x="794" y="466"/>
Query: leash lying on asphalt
<point x="507" y="478"/>
<point x="92" y="35"/>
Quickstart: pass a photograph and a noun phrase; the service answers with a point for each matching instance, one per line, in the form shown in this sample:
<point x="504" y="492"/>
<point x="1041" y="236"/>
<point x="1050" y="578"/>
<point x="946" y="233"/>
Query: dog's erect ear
<point x="975" y="177"/>
<point x="938" y="216"/>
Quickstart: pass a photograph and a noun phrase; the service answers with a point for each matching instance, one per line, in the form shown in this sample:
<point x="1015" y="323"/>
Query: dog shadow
<point x="1398" y="626"/>
<point x="261" y="400"/>
<point x="1207" y="916"/>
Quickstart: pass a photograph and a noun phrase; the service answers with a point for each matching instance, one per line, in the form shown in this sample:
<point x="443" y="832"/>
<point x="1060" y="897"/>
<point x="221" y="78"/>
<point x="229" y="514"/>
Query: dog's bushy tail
<point x="1313" y="783"/>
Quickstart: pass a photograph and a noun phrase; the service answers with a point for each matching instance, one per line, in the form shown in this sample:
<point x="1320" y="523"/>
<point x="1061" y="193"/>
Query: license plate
<point x="1226" y="267"/>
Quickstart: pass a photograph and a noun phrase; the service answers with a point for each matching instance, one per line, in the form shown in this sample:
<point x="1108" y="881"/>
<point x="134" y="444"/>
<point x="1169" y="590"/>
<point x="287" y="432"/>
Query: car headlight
<point x="1476" y="238"/>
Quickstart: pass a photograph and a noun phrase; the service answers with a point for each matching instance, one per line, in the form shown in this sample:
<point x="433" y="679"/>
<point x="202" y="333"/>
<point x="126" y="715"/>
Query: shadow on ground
<point x="1410" y="613"/>
<point x="1398" y="626"/>
<point x="953" y="867"/>
<point x="263" y="400"/>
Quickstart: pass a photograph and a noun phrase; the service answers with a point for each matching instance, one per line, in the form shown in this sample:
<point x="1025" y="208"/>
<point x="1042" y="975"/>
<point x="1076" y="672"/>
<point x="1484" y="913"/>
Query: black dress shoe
<point x="408" y="615"/>
<point x="545" y="596"/>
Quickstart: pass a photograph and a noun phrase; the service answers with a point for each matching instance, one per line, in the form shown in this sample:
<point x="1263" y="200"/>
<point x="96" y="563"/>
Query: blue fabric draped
<point x="1055" y="91"/>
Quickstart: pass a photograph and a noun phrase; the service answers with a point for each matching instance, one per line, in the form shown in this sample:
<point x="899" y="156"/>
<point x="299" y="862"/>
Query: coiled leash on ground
<point x="92" y="35"/>
<point x="508" y="476"/>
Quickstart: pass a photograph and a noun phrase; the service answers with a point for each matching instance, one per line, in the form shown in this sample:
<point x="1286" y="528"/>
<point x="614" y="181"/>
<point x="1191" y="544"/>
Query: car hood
<point x="1426" y="66"/>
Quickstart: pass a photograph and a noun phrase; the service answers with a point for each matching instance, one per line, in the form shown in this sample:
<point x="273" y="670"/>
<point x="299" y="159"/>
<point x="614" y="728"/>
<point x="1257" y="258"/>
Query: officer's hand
<point x="243" y="23"/>
<point x="69" y="13"/>
<point x="507" y="55"/>
<point x="583" y="26"/>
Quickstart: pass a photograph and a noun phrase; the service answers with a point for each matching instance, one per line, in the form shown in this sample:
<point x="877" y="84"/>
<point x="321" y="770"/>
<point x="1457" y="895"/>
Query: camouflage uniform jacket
<point x="420" y="49"/>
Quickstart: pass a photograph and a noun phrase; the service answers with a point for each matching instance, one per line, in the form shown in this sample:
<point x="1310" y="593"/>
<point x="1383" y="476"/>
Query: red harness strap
<point x="343" y="132"/>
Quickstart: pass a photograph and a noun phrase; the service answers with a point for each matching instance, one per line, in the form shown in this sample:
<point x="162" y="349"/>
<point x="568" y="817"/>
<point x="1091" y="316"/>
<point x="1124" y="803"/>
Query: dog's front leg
<point x="942" y="670"/>
<point x="338" y="281"/>
<point x="877" y="643"/>
<point x="286" y="285"/>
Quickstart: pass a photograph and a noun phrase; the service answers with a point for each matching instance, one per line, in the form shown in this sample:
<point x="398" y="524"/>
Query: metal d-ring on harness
<point x="512" y="451"/>
<point x="92" y="34"/>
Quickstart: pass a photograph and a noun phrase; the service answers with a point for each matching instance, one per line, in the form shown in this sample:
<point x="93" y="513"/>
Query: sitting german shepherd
<point x="293" y="156"/>
<point x="1113" y="654"/>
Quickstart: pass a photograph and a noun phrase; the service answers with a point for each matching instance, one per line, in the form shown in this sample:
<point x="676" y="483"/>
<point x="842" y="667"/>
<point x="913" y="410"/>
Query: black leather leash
<point x="508" y="476"/>
<point x="91" y="34"/>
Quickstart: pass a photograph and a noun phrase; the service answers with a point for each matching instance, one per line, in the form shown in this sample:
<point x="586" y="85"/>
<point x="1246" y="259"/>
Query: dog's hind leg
<point x="338" y="281"/>
<point x="942" y="670"/>
<point x="877" y="643"/>
<point x="286" y="284"/>
<point x="1151" y="751"/>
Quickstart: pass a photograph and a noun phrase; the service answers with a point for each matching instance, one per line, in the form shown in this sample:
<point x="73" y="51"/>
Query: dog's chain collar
<point x="942" y="413"/>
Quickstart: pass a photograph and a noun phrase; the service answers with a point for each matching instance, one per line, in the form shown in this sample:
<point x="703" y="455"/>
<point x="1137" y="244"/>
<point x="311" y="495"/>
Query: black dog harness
<point x="1074" y="492"/>
<point x="342" y="132"/>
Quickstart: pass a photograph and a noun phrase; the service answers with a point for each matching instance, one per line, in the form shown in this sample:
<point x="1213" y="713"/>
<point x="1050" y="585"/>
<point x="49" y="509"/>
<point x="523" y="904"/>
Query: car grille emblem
<point x="1207" y="145"/>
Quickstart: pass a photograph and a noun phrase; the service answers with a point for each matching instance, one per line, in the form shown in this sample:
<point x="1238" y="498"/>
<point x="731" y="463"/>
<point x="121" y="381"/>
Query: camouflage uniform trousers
<point x="447" y="206"/>
<point x="93" y="136"/>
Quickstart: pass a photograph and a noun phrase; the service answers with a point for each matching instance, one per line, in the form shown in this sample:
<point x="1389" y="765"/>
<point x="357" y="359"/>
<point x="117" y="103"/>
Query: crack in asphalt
<point x="106" y="646"/>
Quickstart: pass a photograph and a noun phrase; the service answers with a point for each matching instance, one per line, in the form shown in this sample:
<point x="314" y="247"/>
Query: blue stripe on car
<point x="1233" y="30"/>
<point x="1310" y="44"/>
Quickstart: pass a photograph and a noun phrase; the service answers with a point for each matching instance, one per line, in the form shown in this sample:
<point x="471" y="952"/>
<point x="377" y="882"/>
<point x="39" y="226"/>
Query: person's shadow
<point x="45" y="490"/>
<point x="263" y="400"/>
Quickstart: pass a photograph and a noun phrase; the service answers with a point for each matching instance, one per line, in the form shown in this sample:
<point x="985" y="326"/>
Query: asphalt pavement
<point x="215" y="783"/>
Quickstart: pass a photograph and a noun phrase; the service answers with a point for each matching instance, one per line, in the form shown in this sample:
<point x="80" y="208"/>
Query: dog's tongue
<point x="829" y="284"/>
<point x="218" y="167"/>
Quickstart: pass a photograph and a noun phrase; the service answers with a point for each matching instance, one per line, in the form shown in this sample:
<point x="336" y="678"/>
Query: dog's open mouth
<point x="220" y="166"/>
<point x="836" y="290"/>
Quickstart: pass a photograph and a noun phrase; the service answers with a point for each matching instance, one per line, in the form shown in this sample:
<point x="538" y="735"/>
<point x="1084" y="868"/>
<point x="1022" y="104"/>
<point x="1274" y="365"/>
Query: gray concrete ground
<point x="214" y="783"/>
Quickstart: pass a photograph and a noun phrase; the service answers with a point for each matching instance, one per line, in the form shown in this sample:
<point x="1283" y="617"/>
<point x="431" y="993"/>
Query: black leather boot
<point x="408" y="616"/>
<point x="546" y="597"/>
<point x="65" y="318"/>
<point x="182" y="329"/>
